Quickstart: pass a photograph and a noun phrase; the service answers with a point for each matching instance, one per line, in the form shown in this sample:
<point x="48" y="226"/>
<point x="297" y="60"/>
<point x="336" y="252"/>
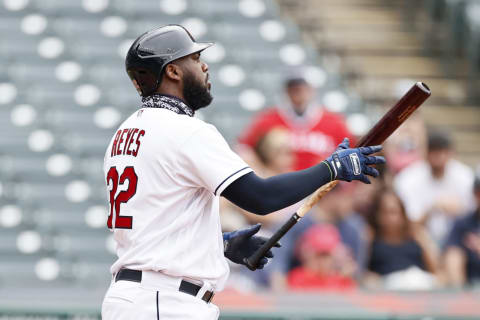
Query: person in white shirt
<point x="165" y="171"/>
<point x="436" y="190"/>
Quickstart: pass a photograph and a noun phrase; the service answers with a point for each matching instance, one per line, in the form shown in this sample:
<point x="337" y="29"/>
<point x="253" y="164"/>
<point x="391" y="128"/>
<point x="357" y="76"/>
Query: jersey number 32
<point x="121" y="222"/>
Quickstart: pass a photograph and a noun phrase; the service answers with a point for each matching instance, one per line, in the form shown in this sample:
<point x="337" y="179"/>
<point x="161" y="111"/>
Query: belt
<point x="185" y="286"/>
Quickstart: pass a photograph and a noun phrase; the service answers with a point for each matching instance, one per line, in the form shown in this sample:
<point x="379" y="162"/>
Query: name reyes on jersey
<point x="127" y="142"/>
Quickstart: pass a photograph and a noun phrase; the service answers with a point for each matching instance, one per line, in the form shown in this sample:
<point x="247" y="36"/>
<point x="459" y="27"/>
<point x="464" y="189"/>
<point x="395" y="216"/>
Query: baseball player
<point x="165" y="171"/>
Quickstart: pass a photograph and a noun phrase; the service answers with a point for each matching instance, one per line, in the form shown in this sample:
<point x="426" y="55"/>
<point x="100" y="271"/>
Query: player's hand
<point x="354" y="164"/>
<point x="344" y="145"/>
<point x="243" y="243"/>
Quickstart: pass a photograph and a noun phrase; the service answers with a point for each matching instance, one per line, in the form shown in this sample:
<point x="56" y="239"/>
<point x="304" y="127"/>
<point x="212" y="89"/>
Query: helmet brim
<point x="195" y="48"/>
<point x="200" y="46"/>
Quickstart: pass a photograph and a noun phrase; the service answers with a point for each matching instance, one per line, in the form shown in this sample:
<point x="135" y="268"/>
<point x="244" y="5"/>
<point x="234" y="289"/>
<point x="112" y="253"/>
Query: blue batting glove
<point x="344" y="145"/>
<point x="241" y="244"/>
<point x="353" y="164"/>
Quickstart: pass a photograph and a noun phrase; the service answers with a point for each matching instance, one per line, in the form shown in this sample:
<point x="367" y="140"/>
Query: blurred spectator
<point x="314" y="131"/>
<point x="322" y="258"/>
<point x="401" y="256"/>
<point x="275" y="153"/>
<point x="276" y="157"/>
<point x="437" y="190"/>
<point x="364" y="195"/>
<point x="335" y="208"/>
<point x="408" y="144"/>
<point x="462" y="255"/>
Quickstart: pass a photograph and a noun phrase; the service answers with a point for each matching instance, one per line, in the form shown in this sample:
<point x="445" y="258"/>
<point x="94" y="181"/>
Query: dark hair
<point x="293" y="82"/>
<point x="439" y="140"/>
<point x="375" y="213"/>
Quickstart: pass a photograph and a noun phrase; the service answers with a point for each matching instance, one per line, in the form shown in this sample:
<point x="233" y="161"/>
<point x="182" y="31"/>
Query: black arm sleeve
<point x="264" y="196"/>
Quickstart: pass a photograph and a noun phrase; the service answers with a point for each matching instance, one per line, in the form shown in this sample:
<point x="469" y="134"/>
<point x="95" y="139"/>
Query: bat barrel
<point x="396" y="115"/>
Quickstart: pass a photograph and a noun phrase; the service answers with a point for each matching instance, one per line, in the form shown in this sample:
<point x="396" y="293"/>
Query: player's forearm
<point x="264" y="196"/>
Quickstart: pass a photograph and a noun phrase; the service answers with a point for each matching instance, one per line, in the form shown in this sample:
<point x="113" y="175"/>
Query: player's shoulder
<point x="181" y="127"/>
<point x="163" y="118"/>
<point x="202" y="129"/>
<point x="166" y="124"/>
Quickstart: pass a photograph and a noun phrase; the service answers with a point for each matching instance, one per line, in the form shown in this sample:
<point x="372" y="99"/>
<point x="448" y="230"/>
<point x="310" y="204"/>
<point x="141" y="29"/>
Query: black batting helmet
<point x="153" y="50"/>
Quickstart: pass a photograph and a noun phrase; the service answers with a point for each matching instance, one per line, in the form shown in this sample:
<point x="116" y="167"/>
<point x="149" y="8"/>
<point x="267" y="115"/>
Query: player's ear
<point x="173" y="71"/>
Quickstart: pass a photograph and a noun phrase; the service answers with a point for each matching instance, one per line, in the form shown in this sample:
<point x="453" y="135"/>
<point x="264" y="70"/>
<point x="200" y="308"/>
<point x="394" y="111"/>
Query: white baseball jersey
<point x="165" y="172"/>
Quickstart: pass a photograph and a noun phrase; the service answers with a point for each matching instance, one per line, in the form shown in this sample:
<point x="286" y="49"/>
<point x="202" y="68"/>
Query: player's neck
<point x="173" y="91"/>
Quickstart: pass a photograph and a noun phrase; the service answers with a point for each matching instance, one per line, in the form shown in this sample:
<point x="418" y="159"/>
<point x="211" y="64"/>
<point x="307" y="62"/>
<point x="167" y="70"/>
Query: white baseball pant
<point x="155" y="297"/>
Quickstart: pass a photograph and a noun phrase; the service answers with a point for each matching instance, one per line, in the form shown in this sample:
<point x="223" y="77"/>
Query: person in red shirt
<point x="314" y="131"/>
<point x="322" y="257"/>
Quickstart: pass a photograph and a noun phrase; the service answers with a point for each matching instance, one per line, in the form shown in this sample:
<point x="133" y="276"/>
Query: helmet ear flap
<point x="144" y="81"/>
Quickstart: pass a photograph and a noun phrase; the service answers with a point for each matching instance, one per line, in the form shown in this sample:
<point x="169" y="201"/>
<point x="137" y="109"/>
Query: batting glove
<point x="353" y="164"/>
<point x="241" y="244"/>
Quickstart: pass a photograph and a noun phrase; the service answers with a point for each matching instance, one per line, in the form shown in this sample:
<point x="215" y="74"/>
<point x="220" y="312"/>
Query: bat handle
<point x="252" y="261"/>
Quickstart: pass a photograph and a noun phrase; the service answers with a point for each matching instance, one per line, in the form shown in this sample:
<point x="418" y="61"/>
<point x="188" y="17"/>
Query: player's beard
<point x="195" y="92"/>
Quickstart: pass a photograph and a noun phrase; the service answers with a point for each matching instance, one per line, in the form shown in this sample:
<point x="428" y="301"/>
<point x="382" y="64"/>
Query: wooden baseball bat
<point x="376" y="135"/>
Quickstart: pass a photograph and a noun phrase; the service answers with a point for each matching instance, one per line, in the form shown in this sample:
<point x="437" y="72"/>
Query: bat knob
<point x="250" y="265"/>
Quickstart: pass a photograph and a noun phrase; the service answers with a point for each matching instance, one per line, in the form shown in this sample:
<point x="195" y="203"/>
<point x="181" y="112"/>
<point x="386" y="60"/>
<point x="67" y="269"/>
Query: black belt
<point x="185" y="286"/>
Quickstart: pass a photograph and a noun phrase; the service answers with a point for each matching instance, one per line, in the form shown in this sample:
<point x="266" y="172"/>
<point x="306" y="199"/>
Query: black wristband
<point x="331" y="169"/>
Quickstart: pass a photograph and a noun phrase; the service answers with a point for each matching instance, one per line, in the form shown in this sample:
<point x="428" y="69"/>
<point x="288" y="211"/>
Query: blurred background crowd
<point x="414" y="228"/>
<point x="290" y="80"/>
